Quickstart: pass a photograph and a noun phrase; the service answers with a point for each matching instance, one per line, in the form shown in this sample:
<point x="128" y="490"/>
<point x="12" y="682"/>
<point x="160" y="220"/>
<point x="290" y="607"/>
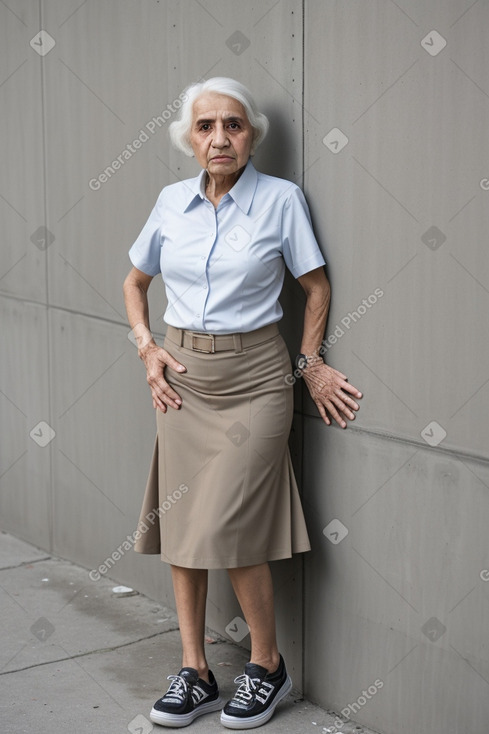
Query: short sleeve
<point x="300" y="248"/>
<point x="145" y="252"/>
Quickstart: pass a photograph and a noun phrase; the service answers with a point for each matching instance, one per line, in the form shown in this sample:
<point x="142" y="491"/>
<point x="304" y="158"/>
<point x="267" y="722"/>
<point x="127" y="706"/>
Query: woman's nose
<point x="220" y="138"/>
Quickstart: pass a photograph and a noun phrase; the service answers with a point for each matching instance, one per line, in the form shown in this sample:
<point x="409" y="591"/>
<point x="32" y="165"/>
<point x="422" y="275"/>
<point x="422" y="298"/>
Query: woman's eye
<point x="205" y="126"/>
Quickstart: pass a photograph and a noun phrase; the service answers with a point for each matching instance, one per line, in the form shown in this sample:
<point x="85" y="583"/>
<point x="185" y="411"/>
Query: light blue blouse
<point x="223" y="268"/>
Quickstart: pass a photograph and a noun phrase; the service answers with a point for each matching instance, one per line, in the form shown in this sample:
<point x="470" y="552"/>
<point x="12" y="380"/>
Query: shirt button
<point x="204" y="287"/>
<point x="203" y="257"/>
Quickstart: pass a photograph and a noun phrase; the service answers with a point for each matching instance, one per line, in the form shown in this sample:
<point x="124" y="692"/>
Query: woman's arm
<point x="155" y="358"/>
<point x="328" y="388"/>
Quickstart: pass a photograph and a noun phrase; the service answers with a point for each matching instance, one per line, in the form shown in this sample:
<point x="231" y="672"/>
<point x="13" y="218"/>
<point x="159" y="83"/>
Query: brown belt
<point x="211" y="343"/>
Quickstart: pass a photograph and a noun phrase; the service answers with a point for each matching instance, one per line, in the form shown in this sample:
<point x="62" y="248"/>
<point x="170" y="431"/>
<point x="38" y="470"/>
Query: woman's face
<point x="221" y="135"/>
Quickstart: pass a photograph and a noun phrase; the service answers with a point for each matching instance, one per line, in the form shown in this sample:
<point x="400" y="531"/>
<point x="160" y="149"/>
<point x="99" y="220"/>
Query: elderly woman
<point x="221" y="487"/>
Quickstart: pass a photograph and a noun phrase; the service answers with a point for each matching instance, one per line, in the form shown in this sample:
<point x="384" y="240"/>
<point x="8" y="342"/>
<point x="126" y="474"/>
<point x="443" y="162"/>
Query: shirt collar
<point x="242" y="192"/>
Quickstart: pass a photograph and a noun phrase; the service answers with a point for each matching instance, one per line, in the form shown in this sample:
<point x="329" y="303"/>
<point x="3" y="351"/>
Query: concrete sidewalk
<point x="77" y="658"/>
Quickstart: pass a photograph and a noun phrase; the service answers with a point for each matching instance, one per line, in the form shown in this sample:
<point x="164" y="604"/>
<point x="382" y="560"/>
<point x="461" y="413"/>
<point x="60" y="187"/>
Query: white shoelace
<point x="248" y="685"/>
<point x="178" y="687"/>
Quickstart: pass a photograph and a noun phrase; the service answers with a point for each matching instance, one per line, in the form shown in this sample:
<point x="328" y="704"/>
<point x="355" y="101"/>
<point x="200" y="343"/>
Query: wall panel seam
<point x="448" y="452"/>
<point x="50" y="482"/>
<point x="303" y="560"/>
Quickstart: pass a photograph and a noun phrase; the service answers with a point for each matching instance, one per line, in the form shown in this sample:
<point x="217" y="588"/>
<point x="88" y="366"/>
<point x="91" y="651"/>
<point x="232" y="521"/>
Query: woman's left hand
<point x="331" y="392"/>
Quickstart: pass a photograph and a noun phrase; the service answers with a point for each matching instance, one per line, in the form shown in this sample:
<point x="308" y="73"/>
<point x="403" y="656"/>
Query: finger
<point x="167" y="399"/>
<point x="172" y="398"/>
<point x="172" y="362"/>
<point x="158" y="405"/>
<point x="346" y="404"/>
<point x="322" y="413"/>
<point x="352" y="390"/>
<point x="164" y="392"/>
<point x="332" y="409"/>
<point x="158" y="396"/>
<point x="342" y="423"/>
<point x="342" y="402"/>
<point x="345" y="410"/>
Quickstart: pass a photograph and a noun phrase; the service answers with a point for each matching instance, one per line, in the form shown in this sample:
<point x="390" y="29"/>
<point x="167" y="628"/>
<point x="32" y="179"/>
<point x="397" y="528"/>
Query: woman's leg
<point x="190" y="587"/>
<point x="254" y="590"/>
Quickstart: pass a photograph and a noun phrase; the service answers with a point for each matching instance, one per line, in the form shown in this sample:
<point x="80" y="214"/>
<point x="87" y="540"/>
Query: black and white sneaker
<point x="257" y="696"/>
<point x="187" y="698"/>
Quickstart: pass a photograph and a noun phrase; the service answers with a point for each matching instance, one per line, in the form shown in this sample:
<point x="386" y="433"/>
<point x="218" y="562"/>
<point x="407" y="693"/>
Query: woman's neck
<point x="218" y="186"/>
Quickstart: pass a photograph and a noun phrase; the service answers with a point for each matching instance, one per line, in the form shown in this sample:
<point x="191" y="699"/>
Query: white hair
<point x="179" y="130"/>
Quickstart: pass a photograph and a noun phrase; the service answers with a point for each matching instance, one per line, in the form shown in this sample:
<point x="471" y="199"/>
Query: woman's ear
<point x="253" y="144"/>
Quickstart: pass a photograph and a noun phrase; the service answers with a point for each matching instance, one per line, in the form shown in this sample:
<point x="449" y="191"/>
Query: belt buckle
<point x="210" y="337"/>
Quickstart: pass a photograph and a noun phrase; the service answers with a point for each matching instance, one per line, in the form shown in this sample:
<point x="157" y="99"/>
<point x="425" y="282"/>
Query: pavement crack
<point x="26" y="563"/>
<point x="91" y="652"/>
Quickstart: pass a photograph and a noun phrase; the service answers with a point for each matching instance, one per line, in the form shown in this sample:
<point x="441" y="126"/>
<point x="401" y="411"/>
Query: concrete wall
<point x="387" y="134"/>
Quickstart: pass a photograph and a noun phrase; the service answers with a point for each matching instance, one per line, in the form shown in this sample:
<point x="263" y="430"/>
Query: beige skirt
<point x="221" y="491"/>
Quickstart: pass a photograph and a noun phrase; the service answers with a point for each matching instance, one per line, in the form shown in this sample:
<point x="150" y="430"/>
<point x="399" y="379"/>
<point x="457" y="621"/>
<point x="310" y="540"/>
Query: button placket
<point x="205" y="285"/>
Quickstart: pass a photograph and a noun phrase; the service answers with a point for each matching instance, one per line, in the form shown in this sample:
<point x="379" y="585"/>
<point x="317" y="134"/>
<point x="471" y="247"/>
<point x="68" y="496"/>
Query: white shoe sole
<point x="235" y="722"/>
<point x="178" y="720"/>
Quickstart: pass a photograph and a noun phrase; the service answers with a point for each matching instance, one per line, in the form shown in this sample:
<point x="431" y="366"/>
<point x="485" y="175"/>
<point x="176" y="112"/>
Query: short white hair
<point x="179" y="130"/>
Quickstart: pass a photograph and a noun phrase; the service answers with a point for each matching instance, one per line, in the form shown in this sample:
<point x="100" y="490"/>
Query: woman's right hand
<point x="156" y="359"/>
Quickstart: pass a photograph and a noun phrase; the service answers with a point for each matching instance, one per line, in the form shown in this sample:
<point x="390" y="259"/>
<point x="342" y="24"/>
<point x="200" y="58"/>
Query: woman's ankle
<point x="202" y="668"/>
<point x="271" y="662"/>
